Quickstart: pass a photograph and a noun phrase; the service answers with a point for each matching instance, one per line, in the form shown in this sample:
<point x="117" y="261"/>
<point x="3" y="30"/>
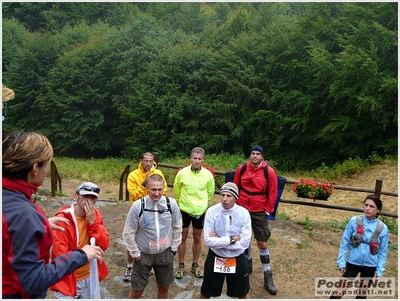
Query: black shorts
<point x="353" y="270"/>
<point x="238" y="284"/>
<point x="197" y="223"/>
<point x="259" y="223"/>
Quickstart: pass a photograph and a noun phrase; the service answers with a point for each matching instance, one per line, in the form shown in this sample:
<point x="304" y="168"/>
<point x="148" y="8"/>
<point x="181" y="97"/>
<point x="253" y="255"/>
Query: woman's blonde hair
<point x="22" y="150"/>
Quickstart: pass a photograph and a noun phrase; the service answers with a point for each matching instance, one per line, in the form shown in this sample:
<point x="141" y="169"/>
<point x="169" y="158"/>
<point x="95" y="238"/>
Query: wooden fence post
<point x="53" y="178"/>
<point x="156" y="157"/>
<point x="123" y="180"/>
<point x="378" y="187"/>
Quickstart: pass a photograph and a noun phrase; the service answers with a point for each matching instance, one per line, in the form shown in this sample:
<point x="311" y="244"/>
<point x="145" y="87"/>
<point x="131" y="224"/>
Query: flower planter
<point x="318" y="197"/>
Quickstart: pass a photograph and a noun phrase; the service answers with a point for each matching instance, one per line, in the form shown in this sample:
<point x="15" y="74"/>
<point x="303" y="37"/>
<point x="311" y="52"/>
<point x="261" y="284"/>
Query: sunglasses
<point x="89" y="188"/>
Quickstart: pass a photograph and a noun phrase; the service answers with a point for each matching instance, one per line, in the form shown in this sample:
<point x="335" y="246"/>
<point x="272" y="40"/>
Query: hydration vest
<point x="152" y="210"/>
<point x="358" y="238"/>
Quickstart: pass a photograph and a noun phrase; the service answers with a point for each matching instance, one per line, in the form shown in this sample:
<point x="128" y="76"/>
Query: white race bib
<point x="225" y="265"/>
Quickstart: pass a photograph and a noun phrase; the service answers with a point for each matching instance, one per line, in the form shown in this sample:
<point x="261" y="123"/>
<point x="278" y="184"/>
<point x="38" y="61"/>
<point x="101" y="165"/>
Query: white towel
<point x="94" y="276"/>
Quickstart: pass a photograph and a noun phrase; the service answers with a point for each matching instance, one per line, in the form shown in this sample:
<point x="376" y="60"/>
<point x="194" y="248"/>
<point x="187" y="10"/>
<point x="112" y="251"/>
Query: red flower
<point x="312" y="189"/>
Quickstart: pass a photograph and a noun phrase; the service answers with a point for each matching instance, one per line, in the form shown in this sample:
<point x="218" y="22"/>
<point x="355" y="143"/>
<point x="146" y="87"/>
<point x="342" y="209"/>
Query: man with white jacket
<point x="152" y="234"/>
<point x="227" y="232"/>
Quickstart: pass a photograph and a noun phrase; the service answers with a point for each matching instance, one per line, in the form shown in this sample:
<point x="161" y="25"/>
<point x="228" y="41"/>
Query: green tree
<point x="77" y="96"/>
<point x="26" y="75"/>
<point x="169" y="110"/>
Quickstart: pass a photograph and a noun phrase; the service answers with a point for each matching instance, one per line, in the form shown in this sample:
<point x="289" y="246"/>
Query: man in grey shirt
<point x="152" y="234"/>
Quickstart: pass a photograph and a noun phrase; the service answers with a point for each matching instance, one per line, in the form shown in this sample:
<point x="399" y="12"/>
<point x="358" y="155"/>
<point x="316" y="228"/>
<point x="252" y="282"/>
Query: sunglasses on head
<point x="89" y="188"/>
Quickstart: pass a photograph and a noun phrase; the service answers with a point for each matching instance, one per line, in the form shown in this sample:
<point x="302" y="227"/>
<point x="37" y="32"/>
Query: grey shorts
<point x="163" y="264"/>
<point x="82" y="289"/>
<point x="259" y="223"/>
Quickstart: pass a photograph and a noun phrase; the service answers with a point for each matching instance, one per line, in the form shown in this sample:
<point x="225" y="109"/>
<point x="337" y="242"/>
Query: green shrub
<point x="282" y="216"/>
<point x="337" y="224"/>
<point x="391" y="223"/>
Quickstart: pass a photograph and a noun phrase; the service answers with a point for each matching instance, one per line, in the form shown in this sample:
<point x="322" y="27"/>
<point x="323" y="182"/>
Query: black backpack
<point x="152" y="210"/>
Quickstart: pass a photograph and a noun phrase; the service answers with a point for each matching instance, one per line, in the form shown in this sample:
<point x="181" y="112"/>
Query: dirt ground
<point x="299" y="254"/>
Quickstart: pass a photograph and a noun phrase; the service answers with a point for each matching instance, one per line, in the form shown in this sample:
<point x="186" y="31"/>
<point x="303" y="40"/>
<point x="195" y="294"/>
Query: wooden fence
<point x="377" y="190"/>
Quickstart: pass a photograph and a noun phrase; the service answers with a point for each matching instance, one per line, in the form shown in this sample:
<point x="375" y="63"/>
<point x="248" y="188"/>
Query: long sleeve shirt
<point x="361" y="255"/>
<point x="193" y="190"/>
<point x="152" y="232"/>
<point x="227" y="223"/>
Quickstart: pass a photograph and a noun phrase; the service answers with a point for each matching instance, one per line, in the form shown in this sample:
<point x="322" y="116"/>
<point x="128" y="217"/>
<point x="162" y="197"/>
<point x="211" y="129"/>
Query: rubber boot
<point x="250" y="265"/>
<point x="269" y="283"/>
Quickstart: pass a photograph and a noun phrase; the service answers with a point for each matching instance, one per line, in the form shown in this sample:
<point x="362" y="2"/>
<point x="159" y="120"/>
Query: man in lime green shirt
<point x="194" y="186"/>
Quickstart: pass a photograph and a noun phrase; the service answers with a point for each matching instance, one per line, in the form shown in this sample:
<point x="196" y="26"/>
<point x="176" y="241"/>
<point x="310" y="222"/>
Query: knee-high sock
<point x="247" y="252"/>
<point x="264" y="256"/>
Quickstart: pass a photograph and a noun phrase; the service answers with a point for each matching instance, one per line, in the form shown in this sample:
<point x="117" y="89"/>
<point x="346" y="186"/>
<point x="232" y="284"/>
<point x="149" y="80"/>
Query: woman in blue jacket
<point x="366" y="241"/>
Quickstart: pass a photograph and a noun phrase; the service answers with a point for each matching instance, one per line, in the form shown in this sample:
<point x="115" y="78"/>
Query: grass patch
<point x="282" y="216"/>
<point x="61" y="194"/>
<point x="94" y="170"/>
<point x="306" y="224"/>
<point x="336" y="224"/>
<point x="304" y="245"/>
<point x="271" y="242"/>
<point x="391" y="223"/>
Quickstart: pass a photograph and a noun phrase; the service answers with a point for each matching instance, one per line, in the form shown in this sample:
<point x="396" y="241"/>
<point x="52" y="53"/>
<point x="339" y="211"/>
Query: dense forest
<point x="313" y="83"/>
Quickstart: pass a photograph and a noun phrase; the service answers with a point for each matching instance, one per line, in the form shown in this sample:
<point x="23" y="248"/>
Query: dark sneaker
<point x="269" y="283"/>
<point x="127" y="275"/>
<point x="179" y="271"/>
<point x="196" y="271"/>
<point x="250" y="265"/>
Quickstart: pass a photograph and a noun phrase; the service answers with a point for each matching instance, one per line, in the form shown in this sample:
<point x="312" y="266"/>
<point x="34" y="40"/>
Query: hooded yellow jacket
<point x="136" y="178"/>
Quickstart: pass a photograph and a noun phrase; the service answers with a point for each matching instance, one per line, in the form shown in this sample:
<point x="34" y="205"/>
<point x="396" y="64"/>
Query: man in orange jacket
<point x="85" y="222"/>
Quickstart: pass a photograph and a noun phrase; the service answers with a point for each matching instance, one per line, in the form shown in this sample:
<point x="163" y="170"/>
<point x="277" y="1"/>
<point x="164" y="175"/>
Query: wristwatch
<point x="173" y="252"/>
<point x="232" y="240"/>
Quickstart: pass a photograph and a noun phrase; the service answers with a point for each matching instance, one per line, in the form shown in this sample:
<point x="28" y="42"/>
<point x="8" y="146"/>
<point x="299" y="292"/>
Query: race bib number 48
<point x="225" y="265"/>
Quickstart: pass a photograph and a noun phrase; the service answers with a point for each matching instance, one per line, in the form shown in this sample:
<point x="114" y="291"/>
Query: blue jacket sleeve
<point x="383" y="251"/>
<point x="34" y="275"/>
<point x="345" y="243"/>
